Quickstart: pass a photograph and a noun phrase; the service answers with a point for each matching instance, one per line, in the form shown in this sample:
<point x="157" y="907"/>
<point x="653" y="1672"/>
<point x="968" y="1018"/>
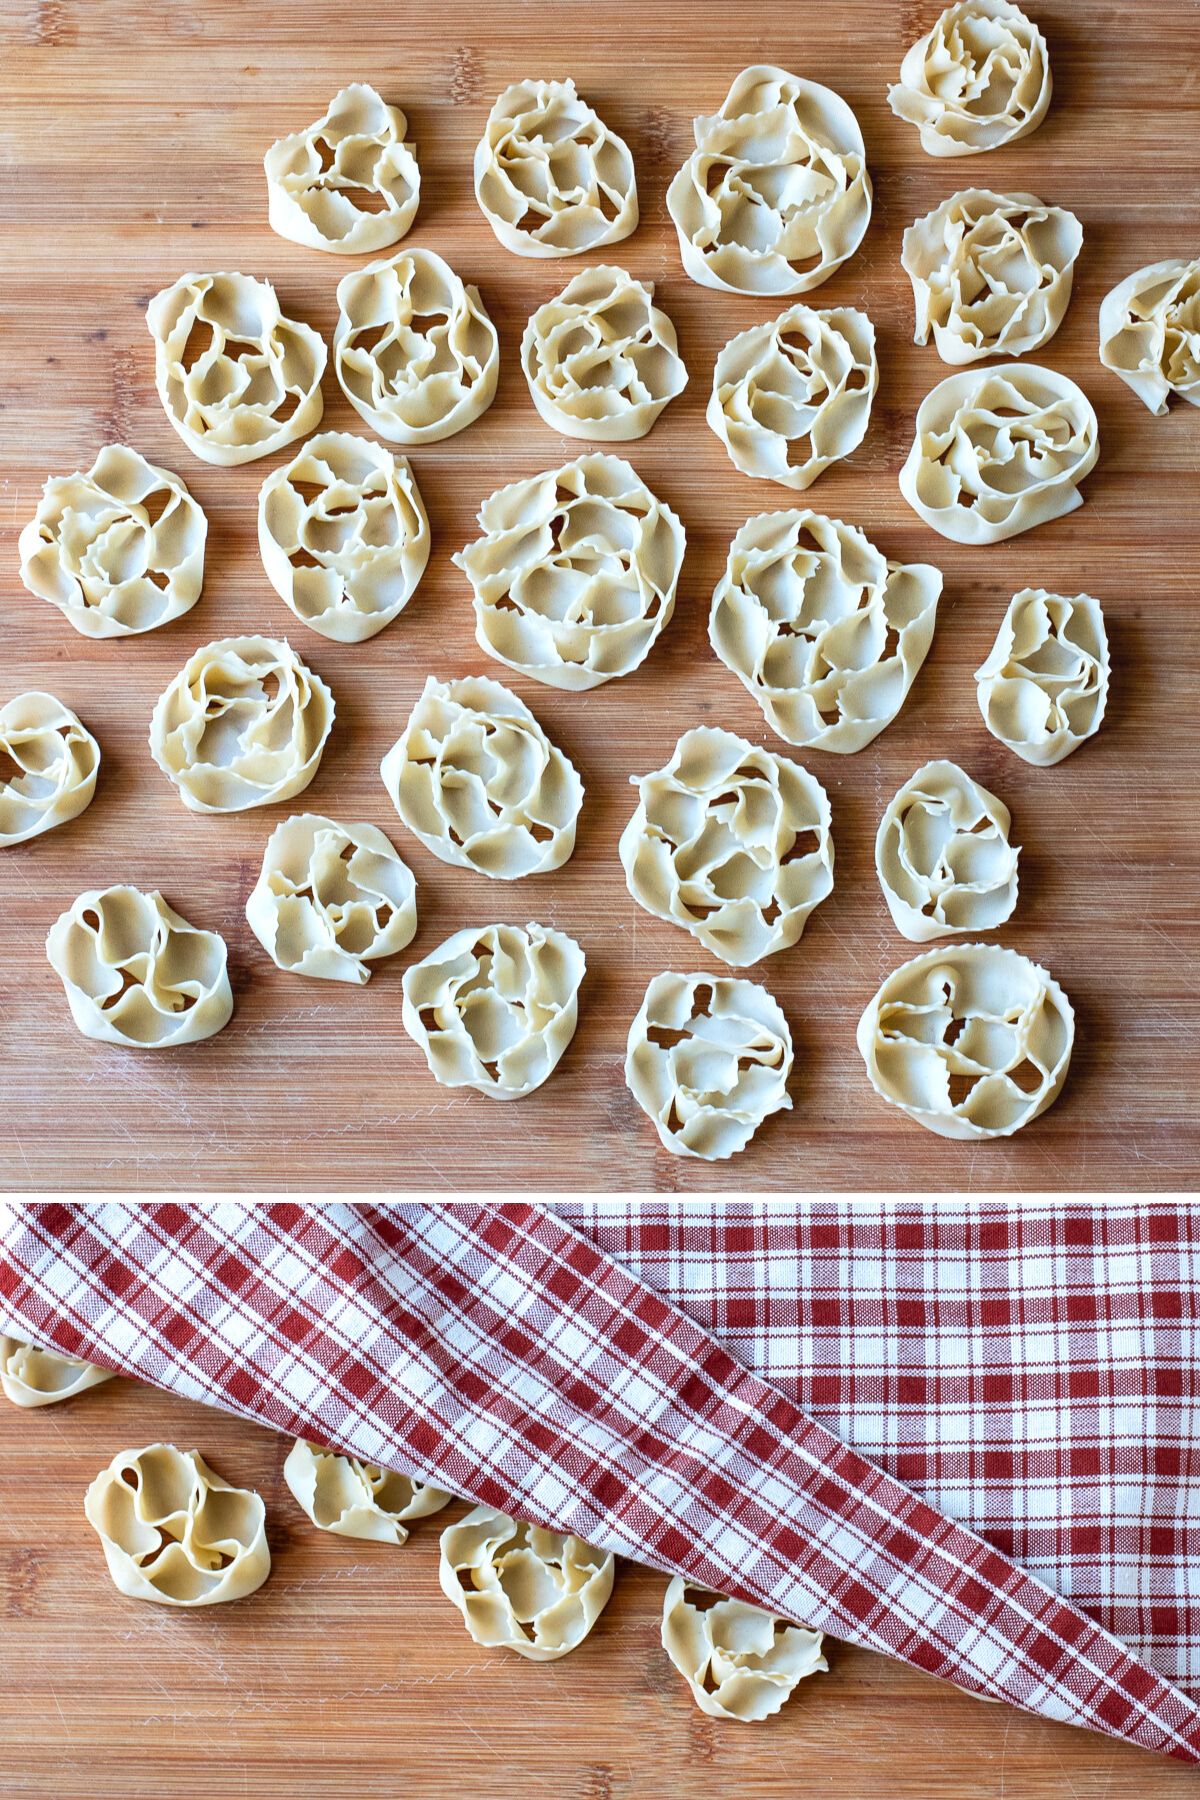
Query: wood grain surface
<point x="132" y="140"/>
<point x="349" y="1676"/>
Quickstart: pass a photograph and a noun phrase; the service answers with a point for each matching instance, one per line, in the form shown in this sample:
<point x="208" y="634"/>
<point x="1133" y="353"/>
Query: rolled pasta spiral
<point x="794" y="395"/>
<point x="943" y="857"/>
<point x="48" y="766"/>
<point x="575" y="575"/>
<point x="519" y="1587"/>
<point x="119" y="550"/>
<point x="237" y="378"/>
<point x="550" y="176"/>
<point x="479" y="782"/>
<point x="31" y="1376"/>
<point x="708" y="1059"/>
<point x="601" y="359"/>
<point x="1150" y="332"/>
<point x="971" y="1041"/>
<point x="731" y="842"/>
<point x="323" y="182"/>
<point x="978" y="79"/>
<point x="331" y="899"/>
<point x="1043" y="689"/>
<point x="355" y="1499"/>
<point x="344" y="536"/>
<point x="740" y="1662"/>
<point x="997" y="452"/>
<point x="243" y="724"/>
<point x="776" y="194"/>
<point x="821" y="628"/>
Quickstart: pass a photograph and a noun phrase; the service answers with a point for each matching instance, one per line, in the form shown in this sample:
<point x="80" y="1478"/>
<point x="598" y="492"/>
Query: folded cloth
<point x="499" y="1352"/>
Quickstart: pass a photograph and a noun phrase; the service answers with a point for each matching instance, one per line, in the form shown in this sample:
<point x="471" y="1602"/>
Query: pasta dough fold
<point x="355" y="1499"/>
<point x="776" y="194"/>
<point x="575" y="575"/>
<point x="943" y="857"/>
<point x="731" y="842"/>
<point x="550" y="177"/>
<point x="1044" y="686"/>
<point x="119" y="550"/>
<point x="138" y="974"/>
<point x="48" y="766"/>
<point x="522" y="1588"/>
<point x="794" y="395"/>
<point x="740" y="1662"/>
<point x="479" y="782"/>
<point x="601" y="359"/>
<point x="821" y="628"/>
<point x="243" y="724"/>
<point x="495" y="1008"/>
<point x="991" y="273"/>
<point x="237" y="379"/>
<point x="997" y="452"/>
<point x="331" y="898"/>
<point x="344" y="536"/>
<point x="980" y="78"/>
<point x="31" y="1376"/>
<point x="174" y="1532"/>
<point x="971" y="1042"/>
<point x="1150" y="332"/>
<point x="414" y="350"/>
<point x="708" y="1060"/>
<point x="347" y="183"/>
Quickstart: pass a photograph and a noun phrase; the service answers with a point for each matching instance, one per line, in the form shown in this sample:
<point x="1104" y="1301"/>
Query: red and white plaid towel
<point x="502" y="1353"/>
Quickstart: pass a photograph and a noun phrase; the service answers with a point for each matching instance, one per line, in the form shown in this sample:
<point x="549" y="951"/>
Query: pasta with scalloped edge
<point x="1043" y="689"/>
<point x="739" y="1661"/>
<point x="1150" y="332"/>
<point x="943" y="857"/>
<point x="331" y="898"/>
<point x="978" y="79"/>
<point x="546" y="156"/>
<point x="600" y="359"/>
<point x="49" y="761"/>
<point x="355" y="1499"/>
<point x="520" y="1587"/>
<point x="31" y="1376"/>
<point x="356" y="148"/>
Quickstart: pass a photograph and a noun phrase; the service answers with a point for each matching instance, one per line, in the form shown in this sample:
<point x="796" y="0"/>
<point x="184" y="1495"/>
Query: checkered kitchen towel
<point x="502" y="1353"/>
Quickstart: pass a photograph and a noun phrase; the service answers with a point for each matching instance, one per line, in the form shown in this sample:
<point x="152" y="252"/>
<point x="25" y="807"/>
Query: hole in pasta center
<point x="127" y="982"/>
<point x="1027" y="1076"/>
<point x="156" y="503"/>
<point x="805" y="843"/>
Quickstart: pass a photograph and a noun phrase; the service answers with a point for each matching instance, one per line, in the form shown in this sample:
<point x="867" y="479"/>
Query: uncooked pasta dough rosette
<point x="740" y="1662"/>
<point x="978" y="79"/>
<point x="550" y="176"/>
<point x="48" y="766"/>
<point x="1150" y="332"/>
<point x="354" y="1499"/>
<point x="1043" y="689"/>
<point x="331" y="899"/>
<point x="348" y="183"/>
<point x="31" y="1376"/>
<point x="519" y="1587"/>
<point x="601" y="359"/>
<point x="943" y="857"/>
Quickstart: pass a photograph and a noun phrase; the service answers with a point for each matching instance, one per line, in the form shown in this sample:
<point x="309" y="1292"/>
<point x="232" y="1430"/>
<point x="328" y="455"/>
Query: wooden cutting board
<point x="349" y="1676"/>
<point x="132" y="138"/>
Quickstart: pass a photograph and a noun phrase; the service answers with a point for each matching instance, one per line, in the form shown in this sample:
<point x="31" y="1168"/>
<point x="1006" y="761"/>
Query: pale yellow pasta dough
<point x="237" y="378"/>
<point x="119" y="550"/>
<point x="31" y="1376"/>
<point x="347" y="183"/>
<point x="174" y="1532"/>
<point x="978" y="79"/>
<point x="708" y="1059"/>
<point x="48" y="766"/>
<point x="601" y="359"/>
<point x="550" y="176"/>
<point x="971" y="1041"/>
<point x="355" y="1499"/>
<point x="343" y="534"/>
<point x="731" y="842"/>
<point x="1150" y="332"/>
<point x="740" y="1662"/>
<point x="776" y="194"/>
<point x="519" y="1587"/>
<point x="575" y="575"/>
<point x="243" y="724"/>
<point x="1043" y="689"/>
<point x="476" y="778"/>
<point x="494" y="1008"/>
<point x="138" y="974"/>
<point x="821" y="628"/>
<point x="943" y="857"/>
<point x="331" y="899"/>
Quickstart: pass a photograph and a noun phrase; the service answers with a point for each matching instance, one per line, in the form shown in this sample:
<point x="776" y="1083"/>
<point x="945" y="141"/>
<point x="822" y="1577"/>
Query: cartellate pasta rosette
<point x="601" y="359"/>
<point x="943" y="857"/>
<point x="708" y="1059"/>
<point x="740" y="1662"/>
<point x="243" y="724"/>
<point x="821" y="628"/>
<point x="550" y="176"/>
<point x="136" y="973"/>
<point x="971" y="1041"/>
<point x="1043" y="689"/>
<point x="991" y="273"/>
<point x="495" y="1008"/>
<point x="48" y="766"/>
<point x="776" y="194"/>
<point x="119" y="550"/>
<point x="355" y="1499"/>
<point x="521" y="1588"/>
<point x="414" y="350"/>
<point x="978" y="79"/>
<point x="794" y="395"/>
<point x="331" y="899"/>
<point x="344" y="535"/>
<point x="1150" y="332"/>
<point x="479" y="782"/>
<point x="237" y="378"/>
<point x="31" y="1376"/>
<point x="996" y="452"/>
<point x="348" y="183"/>
<point x="575" y="575"/>
<point x="731" y="842"/>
